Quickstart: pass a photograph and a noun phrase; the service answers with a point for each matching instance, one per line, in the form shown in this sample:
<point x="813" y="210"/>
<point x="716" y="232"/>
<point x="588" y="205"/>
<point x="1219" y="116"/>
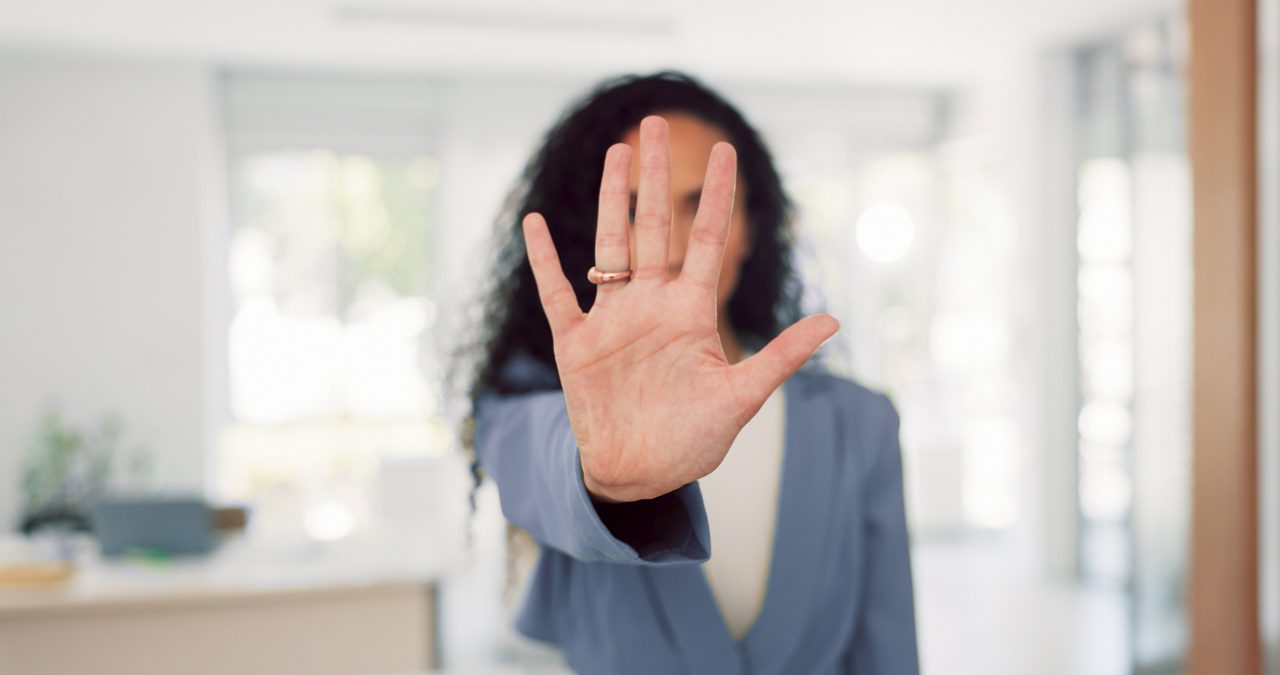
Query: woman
<point x="704" y="502"/>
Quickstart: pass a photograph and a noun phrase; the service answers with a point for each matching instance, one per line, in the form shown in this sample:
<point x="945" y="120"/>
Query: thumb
<point x="767" y="369"/>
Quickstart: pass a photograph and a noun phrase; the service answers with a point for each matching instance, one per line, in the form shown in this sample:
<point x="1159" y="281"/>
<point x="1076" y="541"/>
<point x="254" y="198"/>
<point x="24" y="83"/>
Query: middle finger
<point x="653" y="200"/>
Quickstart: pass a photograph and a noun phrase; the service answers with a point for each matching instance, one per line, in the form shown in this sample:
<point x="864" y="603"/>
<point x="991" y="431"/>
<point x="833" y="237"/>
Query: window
<point x="913" y="248"/>
<point x="1134" y="278"/>
<point x="329" y="270"/>
<point x="329" y="263"/>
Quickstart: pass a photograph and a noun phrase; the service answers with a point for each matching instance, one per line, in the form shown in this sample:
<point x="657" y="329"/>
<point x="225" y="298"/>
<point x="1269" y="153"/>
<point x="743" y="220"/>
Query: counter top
<point x="236" y="572"/>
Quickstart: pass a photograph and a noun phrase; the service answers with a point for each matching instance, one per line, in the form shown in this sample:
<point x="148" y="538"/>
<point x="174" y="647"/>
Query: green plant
<point x="66" y="469"/>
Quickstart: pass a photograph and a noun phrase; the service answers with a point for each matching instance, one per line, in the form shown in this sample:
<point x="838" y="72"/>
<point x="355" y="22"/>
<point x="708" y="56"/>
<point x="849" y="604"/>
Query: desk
<point x="313" y="610"/>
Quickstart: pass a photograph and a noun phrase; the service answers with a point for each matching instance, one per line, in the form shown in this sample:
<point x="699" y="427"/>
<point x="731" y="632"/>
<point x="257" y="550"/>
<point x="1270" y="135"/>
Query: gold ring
<point x="598" y="277"/>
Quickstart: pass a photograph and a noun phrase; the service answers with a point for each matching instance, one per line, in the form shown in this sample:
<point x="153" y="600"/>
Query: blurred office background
<point x="251" y="232"/>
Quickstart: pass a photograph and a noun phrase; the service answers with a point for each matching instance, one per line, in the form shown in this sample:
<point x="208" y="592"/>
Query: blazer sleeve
<point x="526" y="445"/>
<point x="885" y="641"/>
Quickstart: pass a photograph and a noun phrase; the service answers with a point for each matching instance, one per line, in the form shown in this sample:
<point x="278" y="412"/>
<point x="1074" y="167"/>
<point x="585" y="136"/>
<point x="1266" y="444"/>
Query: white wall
<point x="109" y="201"/>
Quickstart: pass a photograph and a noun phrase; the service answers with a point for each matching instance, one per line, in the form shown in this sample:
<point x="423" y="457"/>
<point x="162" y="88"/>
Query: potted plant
<point x="66" y="469"/>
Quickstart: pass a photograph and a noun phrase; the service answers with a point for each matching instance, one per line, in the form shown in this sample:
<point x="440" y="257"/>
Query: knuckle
<point x="718" y="192"/>
<point x="615" y="191"/>
<point x="652" y="219"/>
<point x="698" y="281"/>
<point x="558" y="295"/>
<point x="610" y="238"/>
<point x="649" y="272"/>
<point x="713" y="236"/>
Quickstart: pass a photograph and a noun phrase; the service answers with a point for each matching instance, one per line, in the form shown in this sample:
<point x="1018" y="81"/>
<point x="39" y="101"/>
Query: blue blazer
<point x="618" y="587"/>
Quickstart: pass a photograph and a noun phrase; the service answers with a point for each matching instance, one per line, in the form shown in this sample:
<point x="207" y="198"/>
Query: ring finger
<point x="613" y="248"/>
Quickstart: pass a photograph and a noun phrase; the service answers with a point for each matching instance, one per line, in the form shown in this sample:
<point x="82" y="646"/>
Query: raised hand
<point x="653" y="402"/>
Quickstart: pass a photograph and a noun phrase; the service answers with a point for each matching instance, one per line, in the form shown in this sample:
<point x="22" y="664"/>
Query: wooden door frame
<point x="1269" y="329"/>
<point x="1224" y="583"/>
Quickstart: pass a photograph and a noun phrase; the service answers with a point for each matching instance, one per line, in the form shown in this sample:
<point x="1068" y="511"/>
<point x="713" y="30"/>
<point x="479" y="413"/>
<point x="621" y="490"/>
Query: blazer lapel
<point x="684" y="597"/>
<point x="803" y="526"/>
<point x="685" y="600"/>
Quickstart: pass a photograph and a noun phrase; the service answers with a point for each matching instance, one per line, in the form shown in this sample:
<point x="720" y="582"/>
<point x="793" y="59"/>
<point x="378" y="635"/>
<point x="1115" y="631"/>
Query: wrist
<point x="618" y="493"/>
<point x="609" y="492"/>
<point x="597" y="492"/>
<point x="614" y="492"/>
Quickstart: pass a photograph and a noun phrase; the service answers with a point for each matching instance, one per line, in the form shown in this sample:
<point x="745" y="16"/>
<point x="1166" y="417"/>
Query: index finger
<point x="557" y="296"/>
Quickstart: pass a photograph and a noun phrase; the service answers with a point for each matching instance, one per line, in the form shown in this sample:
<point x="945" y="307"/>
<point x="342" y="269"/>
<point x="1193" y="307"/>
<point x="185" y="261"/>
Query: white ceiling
<point x="935" y="42"/>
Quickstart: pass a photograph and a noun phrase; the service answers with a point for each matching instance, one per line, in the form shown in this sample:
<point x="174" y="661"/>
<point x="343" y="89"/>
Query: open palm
<point x="653" y="402"/>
